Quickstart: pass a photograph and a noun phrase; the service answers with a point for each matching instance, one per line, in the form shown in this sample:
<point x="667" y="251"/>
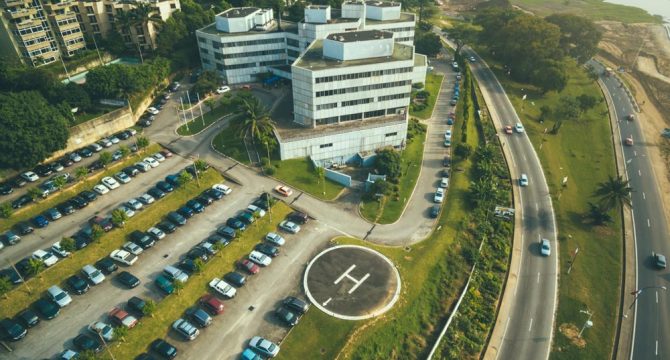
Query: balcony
<point x="22" y="13"/>
<point x="11" y="3"/>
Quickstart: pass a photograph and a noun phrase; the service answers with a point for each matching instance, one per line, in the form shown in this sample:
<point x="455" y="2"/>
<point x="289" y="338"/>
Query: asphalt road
<point x="529" y="325"/>
<point x="652" y="311"/>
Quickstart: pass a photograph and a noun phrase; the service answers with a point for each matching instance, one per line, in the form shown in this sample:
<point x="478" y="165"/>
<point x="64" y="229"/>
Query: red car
<point x="249" y="266"/>
<point x="105" y="223"/>
<point x="166" y="153"/>
<point x="508" y="129"/>
<point x="213" y="305"/>
<point x="122" y="318"/>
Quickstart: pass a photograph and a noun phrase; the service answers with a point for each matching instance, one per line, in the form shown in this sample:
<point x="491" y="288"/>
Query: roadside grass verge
<point x="19" y="298"/>
<point x="31" y="210"/>
<point x="432" y="272"/>
<point x="171" y="307"/>
<point x="389" y="209"/>
<point x="591" y="9"/>
<point x="583" y="152"/>
<point x="229" y="142"/>
<point x="300" y="174"/>
<point x="221" y="108"/>
<point x="432" y="85"/>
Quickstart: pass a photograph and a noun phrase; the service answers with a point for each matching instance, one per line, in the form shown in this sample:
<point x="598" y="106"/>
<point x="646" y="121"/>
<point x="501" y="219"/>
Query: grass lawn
<point x="432" y="85"/>
<point x="299" y="173"/>
<point x="18" y="298"/>
<point x="36" y="208"/>
<point x="389" y="209"/>
<point x="432" y="272"/>
<point x="196" y="125"/>
<point x="592" y="9"/>
<point x="229" y="142"/>
<point x="583" y="152"/>
<point x="172" y="306"/>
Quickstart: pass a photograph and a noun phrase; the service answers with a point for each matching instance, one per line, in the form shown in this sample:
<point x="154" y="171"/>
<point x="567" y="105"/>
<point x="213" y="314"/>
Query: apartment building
<point x="38" y="32"/>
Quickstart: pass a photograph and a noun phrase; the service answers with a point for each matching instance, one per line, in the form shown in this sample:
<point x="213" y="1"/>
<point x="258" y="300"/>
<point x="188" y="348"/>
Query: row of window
<point x="70" y="31"/>
<point x="404" y="39"/>
<point x="363" y="88"/>
<point x="41" y="51"/>
<point x="326" y="106"/>
<point x="34" y="41"/>
<point x="253" y="53"/>
<point x="367" y="74"/>
<point x="393" y="97"/>
<point x="66" y="21"/>
<point x="218" y="45"/>
<point x="74" y="41"/>
<point x="357" y="102"/>
<point x="400" y="29"/>
<point x="361" y="101"/>
<point x="30" y="30"/>
<point x="356" y="116"/>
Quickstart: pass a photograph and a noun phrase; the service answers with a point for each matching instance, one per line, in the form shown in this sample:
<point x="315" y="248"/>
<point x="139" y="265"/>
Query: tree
<point x="125" y="151"/>
<point x="463" y="150"/>
<point x="463" y="34"/>
<point x="184" y="178"/>
<point x="545" y="111"/>
<point x="30" y="129"/>
<point x="6" y="210"/>
<point x="257" y="122"/>
<point x="142" y="142"/>
<point x="552" y="75"/>
<point x="35" y="266"/>
<point x="207" y="83"/>
<point x="120" y="333"/>
<point x="380" y="187"/>
<point x="387" y="162"/>
<point x="149" y="308"/>
<point x="568" y="109"/>
<point x="613" y="192"/>
<point x="199" y="265"/>
<point x="59" y="182"/>
<point x="105" y="158"/>
<point x="598" y="215"/>
<point x="296" y="12"/>
<point x="5" y="286"/>
<point x="428" y="44"/>
<point x="587" y="101"/>
<point x="80" y="173"/>
<point x="579" y="36"/>
<point x="144" y="15"/>
<point x="68" y="244"/>
<point x="201" y="165"/>
<point x="36" y="193"/>
<point x="178" y="286"/>
<point x="97" y="232"/>
<point x="119" y="217"/>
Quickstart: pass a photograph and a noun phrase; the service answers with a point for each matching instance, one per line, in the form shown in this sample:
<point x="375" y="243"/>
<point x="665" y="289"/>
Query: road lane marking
<point x="635" y="153"/>
<point x="538" y="277"/>
<point x="657" y="296"/>
<point x="648" y="223"/>
<point x="639" y="173"/>
<point x="327" y="301"/>
<point x="656" y="348"/>
<point x="644" y="196"/>
<point x="531" y="324"/>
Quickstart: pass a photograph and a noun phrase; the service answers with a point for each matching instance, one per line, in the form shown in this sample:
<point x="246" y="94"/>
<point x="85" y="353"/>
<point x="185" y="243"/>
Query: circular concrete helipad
<point x="352" y="282"/>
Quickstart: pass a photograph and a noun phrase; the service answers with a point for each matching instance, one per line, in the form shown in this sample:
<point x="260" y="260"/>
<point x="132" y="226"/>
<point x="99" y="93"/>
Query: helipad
<point x="352" y="282"/>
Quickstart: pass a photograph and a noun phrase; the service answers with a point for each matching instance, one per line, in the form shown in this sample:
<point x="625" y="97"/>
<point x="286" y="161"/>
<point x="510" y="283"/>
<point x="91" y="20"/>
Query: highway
<point x="528" y="327"/>
<point x="651" y="334"/>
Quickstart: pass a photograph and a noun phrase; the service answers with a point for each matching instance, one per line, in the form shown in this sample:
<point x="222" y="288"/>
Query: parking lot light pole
<point x="637" y="294"/>
<point x="104" y="343"/>
<point x="588" y="322"/>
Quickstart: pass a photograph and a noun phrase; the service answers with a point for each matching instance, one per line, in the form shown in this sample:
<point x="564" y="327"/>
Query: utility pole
<point x="637" y="294"/>
<point x="181" y="101"/>
<point x="202" y="116"/>
<point x="588" y="322"/>
<point x="574" y="257"/>
<point x="104" y="343"/>
<point x="30" y="291"/>
<point x="195" y="168"/>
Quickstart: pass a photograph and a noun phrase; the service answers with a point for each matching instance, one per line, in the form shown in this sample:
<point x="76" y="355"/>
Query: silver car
<point x="59" y="296"/>
<point x="93" y="275"/>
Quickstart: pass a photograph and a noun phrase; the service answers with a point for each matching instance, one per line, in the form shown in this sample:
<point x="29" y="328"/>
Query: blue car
<point x="165" y="186"/>
<point x="195" y="206"/>
<point x="172" y="180"/>
<point x="249" y="354"/>
<point x="40" y="221"/>
<point x="236" y="224"/>
<point x="185" y="211"/>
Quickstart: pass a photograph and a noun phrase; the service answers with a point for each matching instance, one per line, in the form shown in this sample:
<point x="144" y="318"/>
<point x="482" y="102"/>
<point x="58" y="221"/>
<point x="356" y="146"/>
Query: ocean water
<point x="654" y="7"/>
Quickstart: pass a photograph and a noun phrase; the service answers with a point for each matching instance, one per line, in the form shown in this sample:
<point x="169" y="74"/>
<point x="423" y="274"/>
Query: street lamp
<point x="588" y="322"/>
<point x="637" y="294"/>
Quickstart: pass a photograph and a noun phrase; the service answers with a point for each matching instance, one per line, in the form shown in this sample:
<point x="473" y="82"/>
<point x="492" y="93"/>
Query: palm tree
<point x="143" y="15"/>
<point x="613" y="192"/>
<point x="257" y="121"/>
<point x="597" y="215"/>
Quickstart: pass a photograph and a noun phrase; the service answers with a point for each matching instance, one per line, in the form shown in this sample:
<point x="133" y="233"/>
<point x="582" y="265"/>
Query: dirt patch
<point x="647" y="65"/>
<point x="571" y="332"/>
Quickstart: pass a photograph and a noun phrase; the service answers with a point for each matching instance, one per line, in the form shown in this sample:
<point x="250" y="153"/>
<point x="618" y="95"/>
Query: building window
<point x="326" y="121"/>
<point x="293" y="53"/>
<point x="393" y="97"/>
<point x="325" y="145"/>
<point x="215" y="44"/>
<point x="326" y="106"/>
<point x="293" y="43"/>
<point x="96" y="28"/>
<point x="391" y="134"/>
<point x="218" y="56"/>
<point x="92" y="19"/>
<point x="108" y="8"/>
<point x="89" y="9"/>
<point x="173" y="6"/>
<point x="204" y="51"/>
<point x="377" y="113"/>
<point x="205" y="61"/>
<point x="220" y="67"/>
<point x="357" y="102"/>
<point x="350" y="117"/>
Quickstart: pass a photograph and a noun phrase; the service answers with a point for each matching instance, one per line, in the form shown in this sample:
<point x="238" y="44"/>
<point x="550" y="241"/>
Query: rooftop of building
<point x="382" y="3"/>
<point x="404" y="17"/>
<point x="238" y="12"/>
<point x="289" y="130"/>
<point x="420" y="60"/>
<point x="286" y="26"/>
<point x="318" y="7"/>
<point x="365" y="35"/>
<point x="354" y="2"/>
<point x="313" y="58"/>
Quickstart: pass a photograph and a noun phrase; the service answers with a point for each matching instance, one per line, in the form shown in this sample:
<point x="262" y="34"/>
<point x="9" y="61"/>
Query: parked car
<point x="295" y="304"/>
<point x="222" y="89"/>
<point x="121" y="318"/>
<point x="223" y="288"/>
<point x="58" y="295"/>
<point x="264" y="347"/>
<point x="77" y="284"/>
<point x="214" y="194"/>
<point x="176" y="218"/>
<point x="195" y="206"/>
<point x="250" y="354"/>
<point x="211" y="304"/>
<point x="11" y="330"/>
<point x="79" y="202"/>
<point x="66" y="208"/>
<point x="236" y="224"/>
<point x="102" y="329"/>
<point x="142" y="239"/>
<point x="151" y="161"/>
<point x="47" y="308"/>
<point x="199" y="316"/>
<point x="104" y="222"/>
<point x="10" y="238"/>
<point x="40" y="221"/>
<point x="84" y="342"/>
<point x="198" y="253"/>
<point x="287" y="316"/>
<point x="156" y="193"/>
<point x="136" y="305"/>
<point x="122" y="177"/>
<point x="185" y="329"/>
<point x="187" y="265"/>
<point x="186" y="212"/>
<point x="226" y="190"/>
<point x="164" y="284"/>
<point x="27" y="318"/>
<point x="165" y="186"/>
<point x="275" y="239"/>
<point x="249" y="266"/>
<point x="22" y="201"/>
<point x="106" y="265"/>
<point x="146" y="199"/>
<point x="289" y="227"/>
<point x="93" y="275"/>
<point x="283" y="190"/>
<point x="167" y="227"/>
<point x="439" y="195"/>
<point x="298" y="217"/>
<point x="131" y="171"/>
<point x="30" y="176"/>
<point x="142" y="166"/>
<point x="127" y="279"/>
<point x="435" y="211"/>
<point x="123" y="257"/>
<point x="53" y="214"/>
<point x="164" y="349"/>
<point x="46" y="257"/>
<point x="227" y="232"/>
<point x="132" y="248"/>
<point x="267" y="249"/>
<point x="235" y="278"/>
<point x="260" y="258"/>
<point x="175" y="274"/>
<point x="156" y="233"/>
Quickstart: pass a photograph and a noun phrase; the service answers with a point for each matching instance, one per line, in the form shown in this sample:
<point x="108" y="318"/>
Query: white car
<point x="75" y="157"/>
<point x="122" y="177"/>
<point x="105" y="143"/>
<point x="93" y="275"/>
<point x="103" y="329"/>
<point x="260" y="258"/>
<point x="289" y="226"/>
<point x="256" y="210"/>
<point x="153" y="111"/>
<point x="156" y="233"/>
<point x="222" y="288"/>
<point x="223" y="188"/>
<point x="134" y="204"/>
<point x="545" y="247"/>
<point x="30" y="176"/>
<point x="151" y="161"/>
<point x="133" y="248"/>
<point x="129" y="212"/>
<point x="123" y="257"/>
<point x="159" y="157"/>
<point x="275" y="239"/>
<point x="45" y="256"/>
<point x="59" y="296"/>
<point x="114" y="139"/>
<point x="447" y="142"/>
<point x="472" y="59"/>
<point x="518" y="127"/>
<point x="444" y="183"/>
<point x="96" y="147"/>
<point x="447" y="135"/>
<point x="101" y="189"/>
<point x="222" y="89"/>
<point x="146" y="199"/>
<point x="142" y="166"/>
<point x="58" y="250"/>
<point x="439" y="195"/>
<point x="523" y="180"/>
<point x="264" y="346"/>
<point x="110" y="182"/>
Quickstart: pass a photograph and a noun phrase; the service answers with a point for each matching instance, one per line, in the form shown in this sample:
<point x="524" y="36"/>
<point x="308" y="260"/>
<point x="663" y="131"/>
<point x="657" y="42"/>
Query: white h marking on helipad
<point x="327" y="301"/>
<point x="356" y="281"/>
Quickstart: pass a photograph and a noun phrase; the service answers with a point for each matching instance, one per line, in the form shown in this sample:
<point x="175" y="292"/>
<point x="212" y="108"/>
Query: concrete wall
<point x="338" y="177"/>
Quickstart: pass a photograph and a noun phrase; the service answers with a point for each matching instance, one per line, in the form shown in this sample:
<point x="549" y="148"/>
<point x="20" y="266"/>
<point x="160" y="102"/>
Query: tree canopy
<point x="30" y="129"/>
<point x="579" y="36"/>
<point x="120" y="81"/>
<point x="387" y="162"/>
<point x="428" y="43"/>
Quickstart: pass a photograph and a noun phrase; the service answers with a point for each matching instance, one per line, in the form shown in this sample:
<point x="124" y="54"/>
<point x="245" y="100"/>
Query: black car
<point x="79" y="202"/>
<point x="235" y="224"/>
<point x="186" y="212"/>
<point x="195" y="206"/>
<point x="214" y="194"/>
<point x="127" y="279"/>
<point x="66" y="208"/>
<point x="48" y="309"/>
<point x="261" y="204"/>
<point x="142" y="239"/>
<point x="188" y="266"/>
<point x="23" y="267"/>
<point x="106" y="265"/>
<point x="198" y="253"/>
<point x="165" y="186"/>
<point x="28" y="318"/>
<point x="156" y="193"/>
<point x="11" y="275"/>
<point x="204" y="200"/>
<point x="218" y="239"/>
<point x="298" y="217"/>
<point x="81" y="240"/>
<point x="23" y="228"/>
<point x="227" y="232"/>
<point x="43" y="170"/>
<point x="136" y="305"/>
<point x="96" y="165"/>
<point x="296" y="305"/>
<point x="176" y="218"/>
<point x="287" y="316"/>
<point x="435" y="211"/>
<point x="167" y="227"/>
<point x="77" y="284"/>
<point x="66" y="161"/>
<point x="86" y="152"/>
<point x="235" y="278"/>
<point x="5" y="189"/>
<point x="84" y="342"/>
<point x="199" y="316"/>
<point x="144" y="356"/>
<point x="12" y="330"/>
<point x="131" y="171"/>
<point x="122" y="135"/>
<point x="144" y="122"/>
<point x="22" y="201"/>
<point x="88" y="195"/>
<point x="164" y="348"/>
<point x="267" y="249"/>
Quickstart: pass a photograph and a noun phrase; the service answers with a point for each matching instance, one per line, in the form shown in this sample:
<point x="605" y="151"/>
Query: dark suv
<point x="142" y="239"/>
<point x="298" y="217"/>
